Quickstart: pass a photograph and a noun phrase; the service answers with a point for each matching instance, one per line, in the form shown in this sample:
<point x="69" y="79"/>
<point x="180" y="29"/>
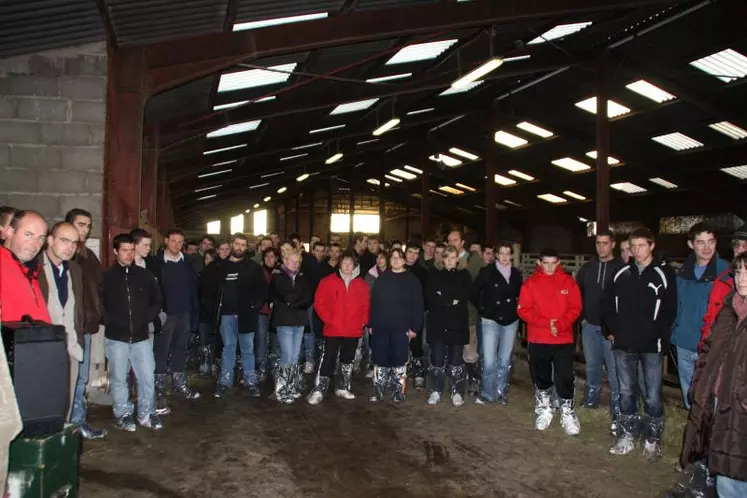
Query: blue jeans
<point x="229" y="333"/>
<point x="309" y="339"/>
<point x="79" y="412"/>
<point x="120" y="356"/>
<point x="263" y="342"/>
<point x="598" y="352"/>
<point x="686" y="368"/>
<point x="290" y="338"/>
<point x="497" y="349"/>
<point x="478" y="329"/>
<point x="627" y="375"/>
<point x="726" y="487"/>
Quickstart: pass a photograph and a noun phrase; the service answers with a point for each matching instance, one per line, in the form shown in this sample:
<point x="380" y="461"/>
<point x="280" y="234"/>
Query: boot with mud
<point x="343" y="388"/>
<point x="162" y="405"/>
<point x="457" y="381"/>
<point x="399" y="384"/>
<point x="542" y="411"/>
<point x="626" y="434"/>
<point x="317" y="395"/>
<point x="180" y="387"/>
<point x="568" y="419"/>
<point x="378" y="383"/>
<point x="436" y="376"/>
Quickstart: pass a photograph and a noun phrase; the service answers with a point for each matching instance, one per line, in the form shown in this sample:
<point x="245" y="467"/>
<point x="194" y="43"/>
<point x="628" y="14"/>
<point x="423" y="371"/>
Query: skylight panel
<point x="374" y="181"/>
<point x="650" y="91"/>
<point x="270" y="175"/>
<point x="571" y="164"/>
<point x="560" y="31"/>
<point x="205" y="189"/>
<point x="512" y="203"/>
<point x="727" y="65"/>
<point x="413" y="169"/>
<point x="252" y="78"/>
<point x="437" y="193"/>
<point x="610" y="160"/>
<point x="613" y="108"/>
<point x="504" y="180"/>
<point x="534" y="129"/>
<point x="235" y="128"/>
<point x="366" y="142"/>
<point x="582" y="219"/>
<point x="462" y="89"/>
<point x="729" y="129"/>
<point x="403" y="174"/>
<point x="509" y="140"/>
<point x="450" y="190"/>
<point x="551" y="198"/>
<point x="465" y="187"/>
<point x="360" y="105"/>
<point x="214" y="173"/>
<point x="421" y="111"/>
<point x="662" y="182"/>
<point x="225" y="162"/>
<point x="267" y="199"/>
<point x="516" y="58"/>
<point x="231" y="105"/>
<point x="677" y="141"/>
<point x="328" y="128"/>
<point x="308" y="146"/>
<point x="736" y="171"/>
<point x="463" y="153"/>
<point x="282" y="190"/>
<point x="446" y="160"/>
<point x="421" y="52"/>
<point x="296" y="156"/>
<point x="392" y="149"/>
<point x="278" y="21"/>
<point x="260" y="185"/>
<point x="519" y="174"/>
<point x="628" y="188"/>
<point x="391" y="77"/>
<point x="393" y="178"/>
<point x="334" y="158"/>
<point x="215" y="151"/>
<point x="206" y="197"/>
<point x="302" y="177"/>
<point x="574" y="195"/>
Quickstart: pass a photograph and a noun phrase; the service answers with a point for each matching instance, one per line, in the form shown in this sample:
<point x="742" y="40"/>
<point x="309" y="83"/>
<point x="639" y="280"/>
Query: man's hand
<point x="411" y="334"/>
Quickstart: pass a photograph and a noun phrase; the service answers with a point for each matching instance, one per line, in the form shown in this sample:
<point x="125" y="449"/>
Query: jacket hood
<point x="356" y="273"/>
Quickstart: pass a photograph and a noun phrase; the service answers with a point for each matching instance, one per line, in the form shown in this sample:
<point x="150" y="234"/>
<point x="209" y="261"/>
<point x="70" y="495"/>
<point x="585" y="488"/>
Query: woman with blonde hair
<point x="290" y="292"/>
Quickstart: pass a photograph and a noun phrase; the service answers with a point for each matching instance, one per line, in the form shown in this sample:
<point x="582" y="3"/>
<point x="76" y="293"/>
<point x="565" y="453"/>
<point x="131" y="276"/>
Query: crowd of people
<point x="441" y="312"/>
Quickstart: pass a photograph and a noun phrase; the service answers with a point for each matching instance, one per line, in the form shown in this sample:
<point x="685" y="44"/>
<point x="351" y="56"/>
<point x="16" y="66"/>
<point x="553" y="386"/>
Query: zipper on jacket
<point x="129" y="299"/>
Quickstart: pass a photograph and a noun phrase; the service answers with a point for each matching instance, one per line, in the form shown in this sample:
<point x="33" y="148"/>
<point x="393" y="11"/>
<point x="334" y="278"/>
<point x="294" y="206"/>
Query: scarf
<point x="505" y="270"/>
<point x="292" y="274"/>
<point x="62" y="315"/>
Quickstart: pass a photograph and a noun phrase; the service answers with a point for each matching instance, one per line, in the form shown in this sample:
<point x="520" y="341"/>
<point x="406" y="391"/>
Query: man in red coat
<point x="19" y="269"/>
<point x="342" y="302"/>
<point x="550" y="303"/>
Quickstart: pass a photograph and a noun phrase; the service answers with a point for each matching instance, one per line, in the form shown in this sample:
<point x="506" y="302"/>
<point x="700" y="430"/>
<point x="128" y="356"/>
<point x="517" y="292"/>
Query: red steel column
<point x="603" y="148"/>
<point x="491" y="167"/>
<point x="149" y="181"/>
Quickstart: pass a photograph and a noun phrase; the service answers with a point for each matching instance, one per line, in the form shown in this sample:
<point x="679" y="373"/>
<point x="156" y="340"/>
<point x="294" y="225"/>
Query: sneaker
<point x="163" y="409"/>
<point x="344" y="394"/>
<point x="126" y="423"/>
<point x="623" y="446"/>
<point x="315" y="397"/>
<point x="543" y="420"/>
<point x="253" y="390"/>
<point x="434" y="398"/>
<point x="88" y="432"/>
<point x="308" y="368"/>
<point x="151" y="422"/>
<point x="221" y="391"/>
<point x="457" y="399"/>
<point x="651" y="451"/>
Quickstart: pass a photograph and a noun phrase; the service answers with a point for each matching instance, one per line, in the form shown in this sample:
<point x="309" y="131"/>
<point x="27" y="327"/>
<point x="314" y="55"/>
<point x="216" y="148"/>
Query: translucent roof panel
<point x="421" y="52"/>
<point x="552" y="198"/>
<point x="736" y="171"/>
<point x="650" y="91"/>
<point x="727" y="65"/>
<point x="628" y="188"/>
<point x="252" y="78"/>
<point x="278" y="21"/>
<point x="571" y="164"/>
<point x="560" y="31"/>
<point x="729" y="129"/>
<point x="360" y="105"/>
<point x="613" y="108"/>
<point x="509" y="140"/>
<point x="461" y="89"/>
<point x="677" y="141"/>
<point x="662" y="182"/>
<point x="235" y="128"/>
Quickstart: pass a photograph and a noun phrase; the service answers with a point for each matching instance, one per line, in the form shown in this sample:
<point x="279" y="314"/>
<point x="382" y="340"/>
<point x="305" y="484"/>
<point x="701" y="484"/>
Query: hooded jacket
<point x="343" y="308"/>
<point x="720" y="373"/>
<point x="593" y="277"/>
<point x="638" y="309"/>
<point x="722" y="287"/>
<point x="19" y="289"/>
<point x="692" y="300"/>
<point x="544" y="297"/>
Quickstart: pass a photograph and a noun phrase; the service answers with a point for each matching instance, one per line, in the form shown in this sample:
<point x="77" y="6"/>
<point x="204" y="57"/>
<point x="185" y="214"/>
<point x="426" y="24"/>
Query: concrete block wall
<point x="52" y="114"/>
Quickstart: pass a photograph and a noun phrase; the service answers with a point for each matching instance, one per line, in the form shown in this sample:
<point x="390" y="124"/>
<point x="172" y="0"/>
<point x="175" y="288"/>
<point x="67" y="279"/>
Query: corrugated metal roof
<point x="255" y="10"/>
<point x="383" y="4"/>
<point x="36" y="25"/>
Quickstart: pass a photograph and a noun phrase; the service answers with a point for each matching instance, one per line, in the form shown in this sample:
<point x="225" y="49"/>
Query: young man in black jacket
<point x="130" y="300"/>
<point x="237" y="292"/>
<point x="412" y="257"/>
<point x="638" y="310"/>
<point x="593" y="278"/>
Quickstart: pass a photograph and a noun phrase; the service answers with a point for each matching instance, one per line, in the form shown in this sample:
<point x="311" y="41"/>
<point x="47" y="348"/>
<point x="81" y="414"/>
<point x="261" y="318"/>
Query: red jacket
<point x="722" y="287"/>
<point x="544" y="297"/>
<point x="19" y="290"/>
<point x="344" y="311"/>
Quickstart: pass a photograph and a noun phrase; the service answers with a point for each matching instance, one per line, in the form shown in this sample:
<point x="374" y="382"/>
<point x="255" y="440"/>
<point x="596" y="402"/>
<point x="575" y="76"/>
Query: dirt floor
<point x="241" y="447"/>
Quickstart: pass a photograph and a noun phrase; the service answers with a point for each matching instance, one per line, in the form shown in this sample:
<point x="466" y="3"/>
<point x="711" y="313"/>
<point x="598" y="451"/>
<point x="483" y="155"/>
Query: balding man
<point x="19" y="269"/>
<point x="61" y="283"/>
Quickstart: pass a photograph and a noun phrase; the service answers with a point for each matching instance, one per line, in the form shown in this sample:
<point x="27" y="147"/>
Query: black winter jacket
<point x="638" y="309"/>
<point x="252" y="292"/>
<point x="290" y="299"/>
<point x="448" y="322"/>
<point x="494" y="297"/>
<point x="592" y="279"/>
<point x="396" y="302"/>
<point x="130" y="300"/>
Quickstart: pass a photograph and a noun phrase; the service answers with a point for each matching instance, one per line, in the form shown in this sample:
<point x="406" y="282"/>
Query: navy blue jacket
<point x="156" y="266"/>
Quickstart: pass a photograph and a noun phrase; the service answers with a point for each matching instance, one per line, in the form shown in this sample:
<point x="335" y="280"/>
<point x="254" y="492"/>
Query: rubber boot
<point x="457" y="381"/>
<point x="653" y="430"/>
<point x="317" y="395"/>
<point x="205" y="360"/>
<point x="283" y="379"/>
<point x="298" y="381"/>
<point x="436" y="376"/>
<point x="378" y="383"/>
<point x="568" y="419"/>
<point x="344" y="380"/>
<point x="162" y="405"/>
<point x="592" y="396"/>
<point x="542" y="411"/>
<point x="626" y="434"/>
<point x="473" y="383"/>
<point x="181" y="388"/>
<point x="419" y="373"/>
<point x="399" y="383"/>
